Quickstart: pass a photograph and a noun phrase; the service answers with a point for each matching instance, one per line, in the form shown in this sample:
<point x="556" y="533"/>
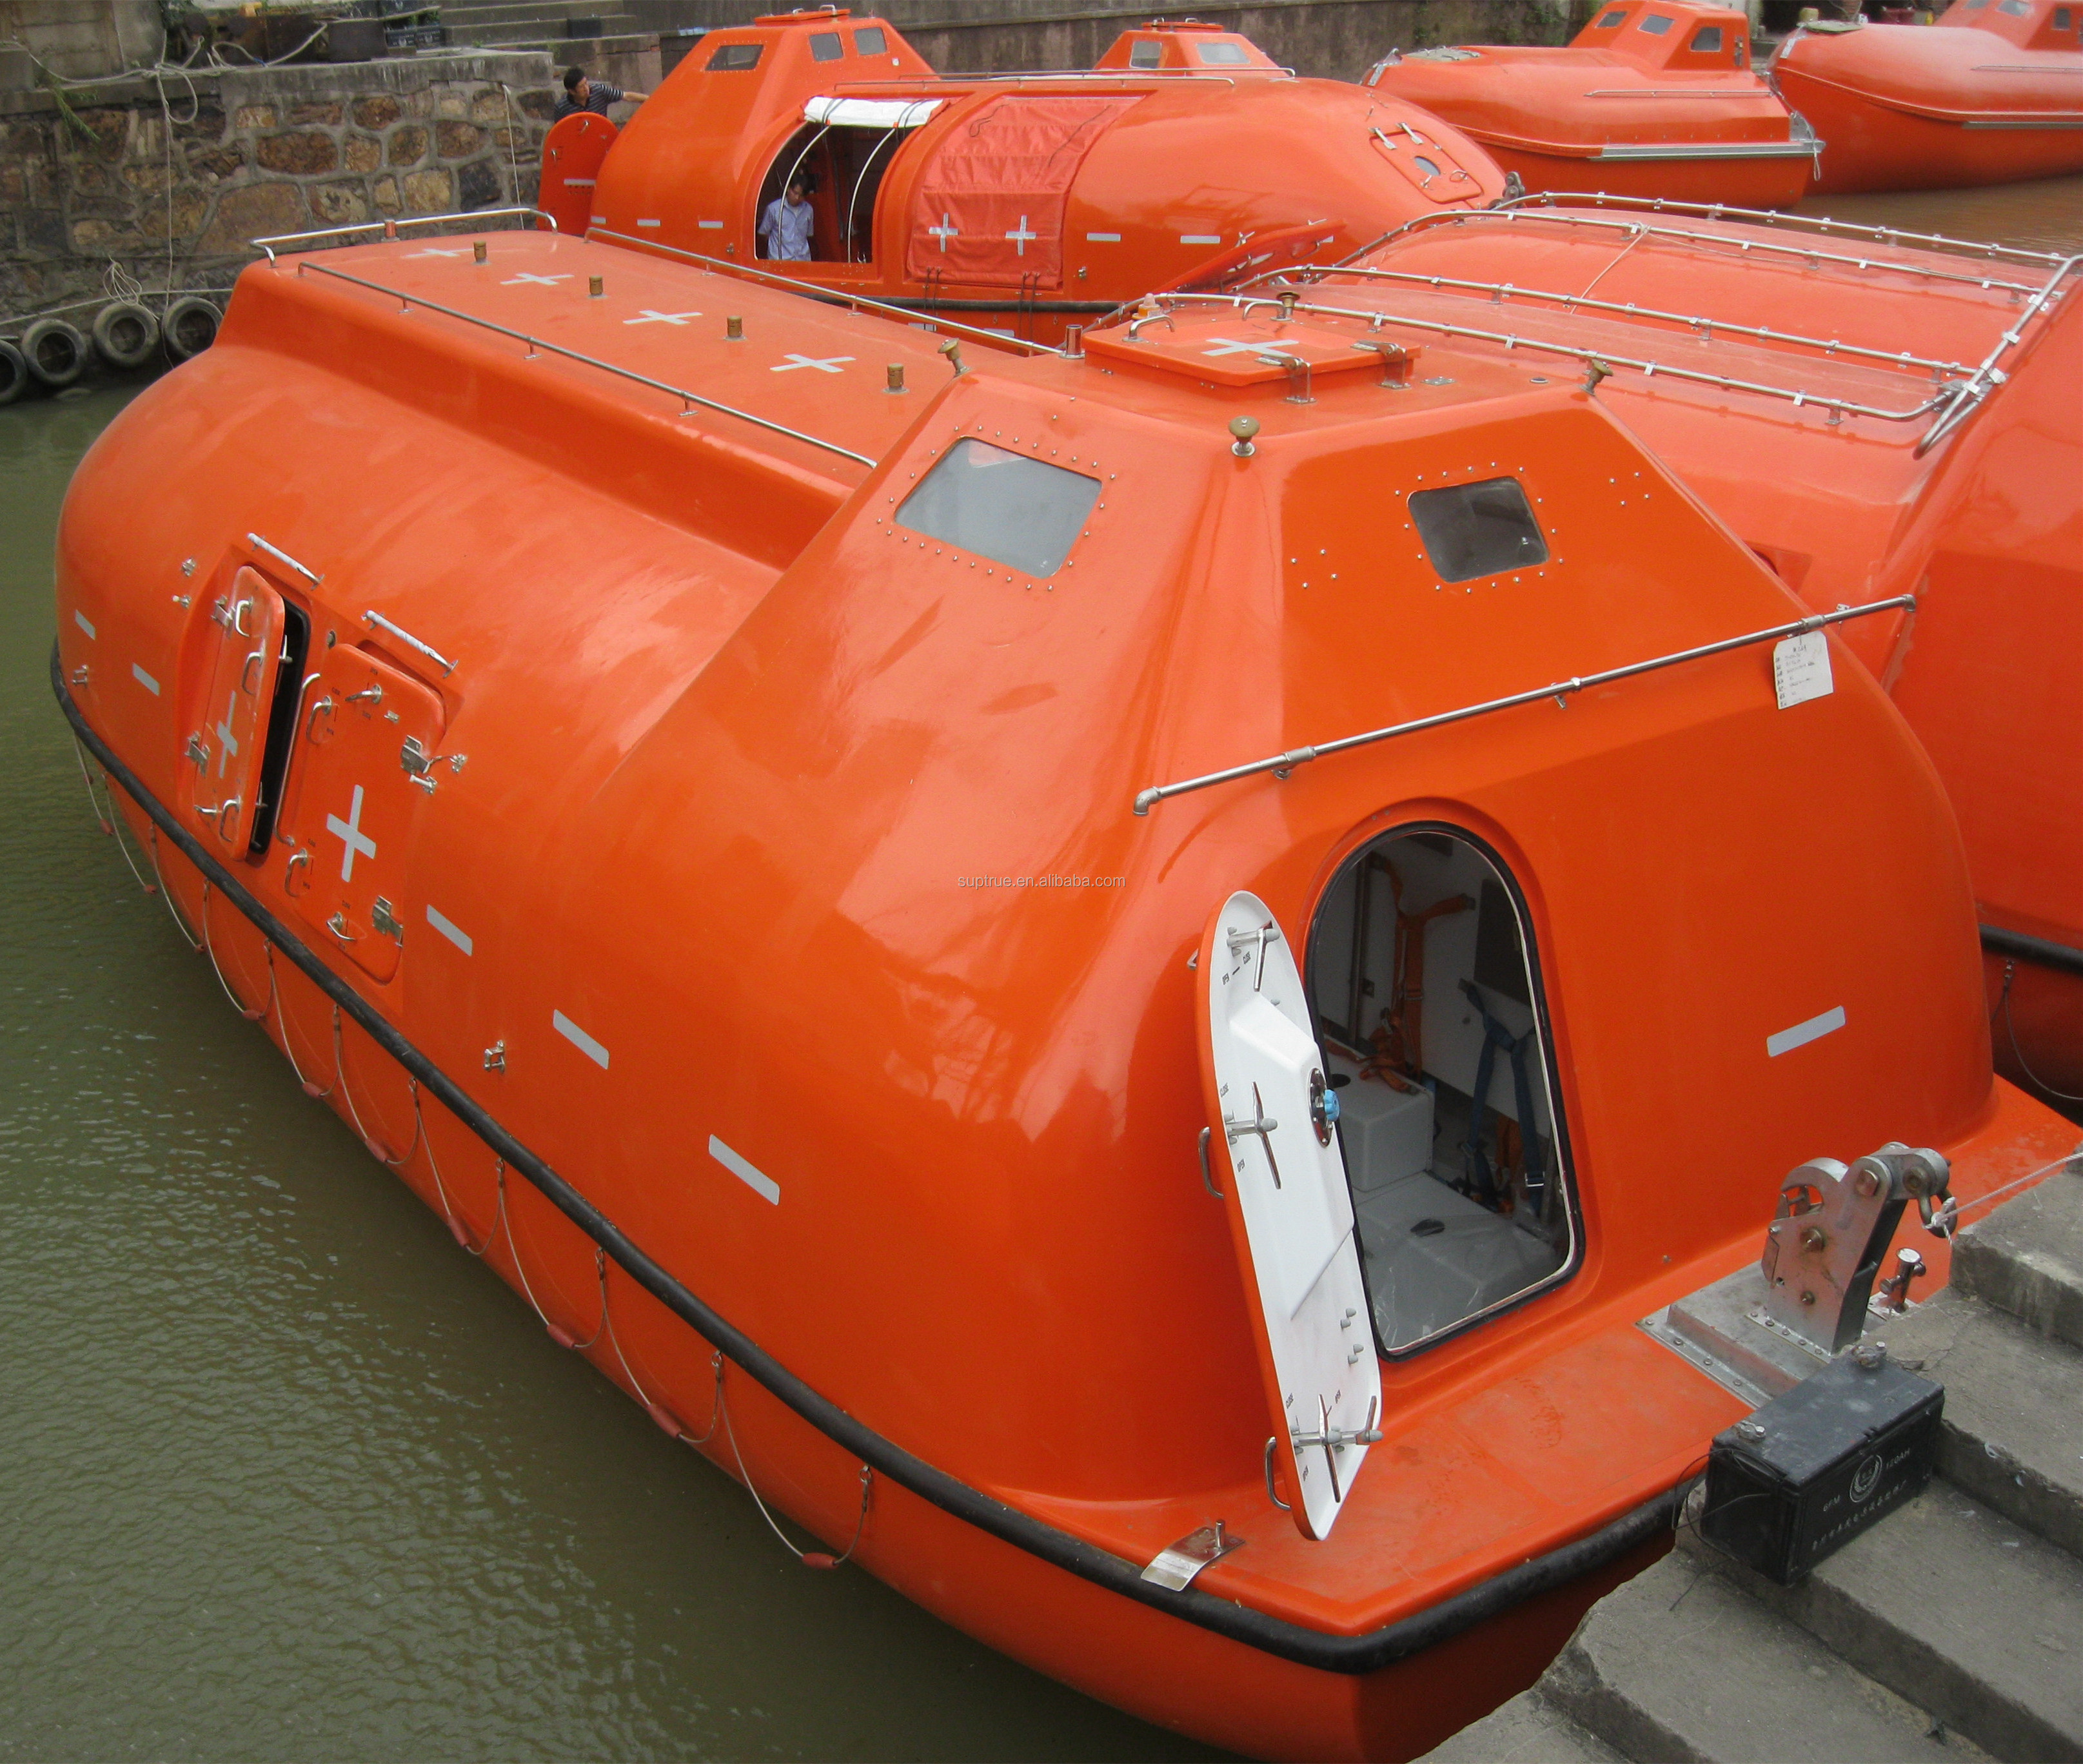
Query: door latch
<point x="383" y="919"/>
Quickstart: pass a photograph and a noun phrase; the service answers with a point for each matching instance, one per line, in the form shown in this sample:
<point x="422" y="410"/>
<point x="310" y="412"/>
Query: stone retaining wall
<point x="171" y="184"/>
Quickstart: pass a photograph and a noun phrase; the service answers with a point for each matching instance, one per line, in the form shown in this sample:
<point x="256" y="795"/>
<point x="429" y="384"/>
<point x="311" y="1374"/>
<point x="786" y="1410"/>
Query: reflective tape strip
<point x="84" y="623"/>
<point x="456" y="935"/>
<point x="145" y="680"/>
<point x="579" y="1039"/>
<point x="650" y="223"/>
<point x="1803" y="1033"/>
<point x="1200" y="238"/>
<point x="761" y="1184"/>
<point x="1103" y="238"/>
<point x="710" y="226"/>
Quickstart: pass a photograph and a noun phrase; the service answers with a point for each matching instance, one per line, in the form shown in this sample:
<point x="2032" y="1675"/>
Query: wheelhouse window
<point x="1145" y="54"/>
<point x="1706" y="40"/>
<point x="1430" y="1011"/>
<point x="869" y="40"/>
<point x="1222" y="54"/>
<point x="735" y="58"/>
<point x="1656" y="25"/>
<point x="826" y="46"/>
<point x="1024" y="513"/>
<point x="1612" y="19"/>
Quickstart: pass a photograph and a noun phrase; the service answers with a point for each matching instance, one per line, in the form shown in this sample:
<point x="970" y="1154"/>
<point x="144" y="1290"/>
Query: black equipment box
<point x="1814" y="1467"/>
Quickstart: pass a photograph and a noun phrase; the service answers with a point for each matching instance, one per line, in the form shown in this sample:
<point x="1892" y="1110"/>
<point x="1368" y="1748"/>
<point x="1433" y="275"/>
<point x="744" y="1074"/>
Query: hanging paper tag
<point x="1801" y="669"/>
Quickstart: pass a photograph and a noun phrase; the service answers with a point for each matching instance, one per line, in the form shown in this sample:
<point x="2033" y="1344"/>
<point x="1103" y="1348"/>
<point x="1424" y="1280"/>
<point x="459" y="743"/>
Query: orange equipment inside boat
<point x="1024" y="203"/>
<point x="1951" y="469"/>
<point x="695" y="679"/>
<point x="1991" y="93"/>
<point x="1654" y="98"/>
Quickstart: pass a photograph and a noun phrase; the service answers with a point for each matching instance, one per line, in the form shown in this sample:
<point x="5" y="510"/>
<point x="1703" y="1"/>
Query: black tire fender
<point x="125" y="333"/>
<point x="189" y="326"/>
<point x="55" y="351"/>
<point x="14" y="372"/>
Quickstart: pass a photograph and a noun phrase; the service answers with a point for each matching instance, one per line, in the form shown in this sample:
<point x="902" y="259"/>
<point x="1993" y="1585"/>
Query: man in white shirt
<point x="785" y="227"/>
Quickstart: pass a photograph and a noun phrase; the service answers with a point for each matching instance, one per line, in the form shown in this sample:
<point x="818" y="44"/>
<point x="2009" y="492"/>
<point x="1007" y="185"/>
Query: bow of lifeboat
<point x="1653" y="98"/>
<point x="682" y="796"/>
<point x="1025" y="204"/>
<point x="1858" y="469"/>
<point x="1991" y="93"/>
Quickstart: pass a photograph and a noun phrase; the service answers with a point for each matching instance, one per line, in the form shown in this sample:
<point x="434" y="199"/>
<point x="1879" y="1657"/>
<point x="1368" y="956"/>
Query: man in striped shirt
<point x="582" y="93"/>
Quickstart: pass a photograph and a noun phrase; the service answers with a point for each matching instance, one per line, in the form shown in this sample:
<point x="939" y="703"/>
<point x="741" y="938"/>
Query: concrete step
<point x="1527" y="1730"/>
<point x="2013" y="1433"/>
<point x="1683" y="1663"/>
<point x="1953" y="1607"/>
<point x="2027" y="1258"/>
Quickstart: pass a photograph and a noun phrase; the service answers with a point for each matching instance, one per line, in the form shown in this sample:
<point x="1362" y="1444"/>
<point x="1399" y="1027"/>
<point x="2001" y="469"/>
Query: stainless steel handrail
<point x="1763" y="333"/>
<point x="388" y="229"/>
<point x="838" y="296"/>
<point x="1281" y="764"/>
<point x="1799" y="397"/>
<point x="1987" y="377"/>
<point x="1742" y="246"/>
<point x="535" y="344"/>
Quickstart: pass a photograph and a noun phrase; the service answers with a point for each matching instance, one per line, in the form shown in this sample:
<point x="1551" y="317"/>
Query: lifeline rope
<point x="502" y="1219"/>
<point x="2010" y="1029"/>
<point x="1945" y="1220"/>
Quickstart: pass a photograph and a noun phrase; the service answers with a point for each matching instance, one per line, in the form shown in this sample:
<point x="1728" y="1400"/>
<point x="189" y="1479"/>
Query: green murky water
<point x="283" y="1475"/>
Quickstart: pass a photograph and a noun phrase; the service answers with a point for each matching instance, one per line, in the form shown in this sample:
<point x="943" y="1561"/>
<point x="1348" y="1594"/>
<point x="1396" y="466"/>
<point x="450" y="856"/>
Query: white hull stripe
<point x="579" y="1039"/>
<point x="709" y="225"/>
<point x="82" y="620"/>
<point x="1200" y="238"/>
<point x="1103" y="238"/>
<point x="1803" y="1033"/>
<point x="145" y="680"/>
<point x="763" y="1185"/>
<point x="650" y="223"/>
<point x="456" y="935"/>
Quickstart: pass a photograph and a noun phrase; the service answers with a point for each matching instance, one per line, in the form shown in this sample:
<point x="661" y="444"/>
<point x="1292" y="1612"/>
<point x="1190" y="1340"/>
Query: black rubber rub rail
<point x="2037" y="949"/>
<point x="1350" y="1654"/>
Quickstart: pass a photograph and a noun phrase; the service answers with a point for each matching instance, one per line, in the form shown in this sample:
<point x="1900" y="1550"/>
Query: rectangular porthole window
<point x="735" y="58"/>
<point x="1477" y="529"/>
<point x="825" y="46"/>
<point x="1706" y="40"/>
<point x="1022" y="513"/>
<point x="1611" y="19"/>
<point x="871" y="41"/>
<point x="2061" y="17"/>
<point x="1656" y="24"/>
<point x="1425" y="989"/>
<point x="1222" y="54"/>
<point x="1144" y="54"/>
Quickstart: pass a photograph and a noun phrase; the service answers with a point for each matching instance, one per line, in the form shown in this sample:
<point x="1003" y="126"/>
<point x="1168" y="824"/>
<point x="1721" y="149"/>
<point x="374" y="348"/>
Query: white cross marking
<point x="227" y="744"/>
<point x="435" y="250"/>
<point x="651" y="318"/>
<point x="350" y="833"/>
<point x="540" y="281"/>
<point x="829" y="365"/>
<point x="1020" y="235"/>
<point x="1231" y="346"/>
<point x="943" y="232"/>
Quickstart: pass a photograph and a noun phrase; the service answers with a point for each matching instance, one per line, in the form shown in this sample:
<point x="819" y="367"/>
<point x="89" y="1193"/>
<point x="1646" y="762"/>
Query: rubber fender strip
<point x="1347" y="1654"/>
<point x="2037" y="949"/>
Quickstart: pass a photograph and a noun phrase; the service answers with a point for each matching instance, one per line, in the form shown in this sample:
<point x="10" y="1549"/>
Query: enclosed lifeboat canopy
<point x="1654" y="98"/>
<point x="1925" y="438"/>
<point x="682" y="808"/>
<point x="1187" y="46"/>
<point x="1029" y="201"/>
<point x="1991" y="93"/>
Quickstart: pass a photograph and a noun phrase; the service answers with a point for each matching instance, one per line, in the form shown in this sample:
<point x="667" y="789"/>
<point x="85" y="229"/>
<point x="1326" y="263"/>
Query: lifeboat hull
<point x="1646" y="101"/>
<point x="748" y="940"/>
<point x="1932" y="107"/>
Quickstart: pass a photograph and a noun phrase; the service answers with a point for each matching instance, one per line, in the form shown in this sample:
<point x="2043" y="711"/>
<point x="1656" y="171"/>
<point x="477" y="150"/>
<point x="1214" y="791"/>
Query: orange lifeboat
<point x="1654" y="98"/>
<point x="1013" y="950"/>
<point x="1020" y="204"/>
<point x="1991" y="93"/>
<point x="1928" y="441"/>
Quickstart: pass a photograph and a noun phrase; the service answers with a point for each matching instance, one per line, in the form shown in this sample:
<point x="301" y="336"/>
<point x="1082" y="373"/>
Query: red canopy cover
<point x="990" y="203"/>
